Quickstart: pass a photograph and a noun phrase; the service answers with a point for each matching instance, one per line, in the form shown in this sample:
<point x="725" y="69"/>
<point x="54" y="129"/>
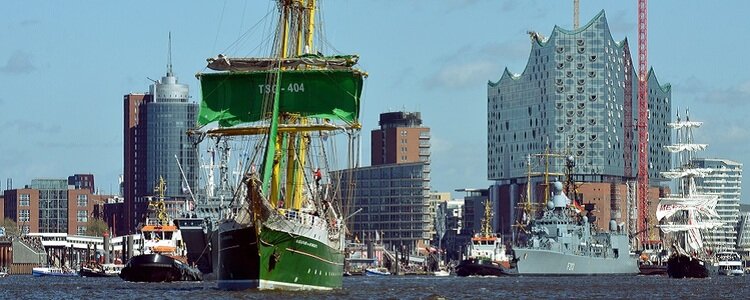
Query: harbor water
<point x="393" y="287"/>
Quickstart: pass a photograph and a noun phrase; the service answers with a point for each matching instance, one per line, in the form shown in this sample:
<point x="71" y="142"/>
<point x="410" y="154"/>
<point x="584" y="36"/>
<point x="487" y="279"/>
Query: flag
<point x="577" y="206"/>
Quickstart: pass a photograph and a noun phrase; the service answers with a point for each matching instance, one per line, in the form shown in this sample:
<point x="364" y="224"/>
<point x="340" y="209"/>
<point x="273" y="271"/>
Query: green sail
<point x="233" y="98"/>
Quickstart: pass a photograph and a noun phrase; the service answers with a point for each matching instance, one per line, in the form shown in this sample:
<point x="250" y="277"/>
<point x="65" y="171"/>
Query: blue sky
<point x="65" y="65"/>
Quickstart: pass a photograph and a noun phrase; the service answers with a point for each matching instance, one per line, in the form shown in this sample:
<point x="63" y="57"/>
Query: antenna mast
<point x="169" y="56"/>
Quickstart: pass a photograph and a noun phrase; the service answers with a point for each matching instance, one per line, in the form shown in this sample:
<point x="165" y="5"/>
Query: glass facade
<point x="168" y="118"/>
<point x="53" y="204"/>
<point x="576" y="96"/>
<point x="395" y="202"/>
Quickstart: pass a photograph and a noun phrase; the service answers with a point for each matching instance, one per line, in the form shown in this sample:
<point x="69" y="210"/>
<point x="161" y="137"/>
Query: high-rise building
<point x="725" y="180"/>
<point x="577" y="96"/>
<point x="400" y="139"/>
<point x="157" y="146"/>
<point x="134" y="160"/>
<point x="394" y="193"/>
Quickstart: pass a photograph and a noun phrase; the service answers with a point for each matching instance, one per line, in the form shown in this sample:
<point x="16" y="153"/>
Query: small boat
<point x="163" y="258"/>
<point x="441" y="273"/>
<point x="377" y="272"/>
<point x="730" y="263"/>
<point x="100" y="270"/>
<point x="53" y="271"/>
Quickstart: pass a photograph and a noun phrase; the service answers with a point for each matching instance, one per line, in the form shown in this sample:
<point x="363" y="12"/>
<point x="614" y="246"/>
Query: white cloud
<point x="483" y="64"/>
<point x="20" y="62"/>
<point x="461" y="76"/>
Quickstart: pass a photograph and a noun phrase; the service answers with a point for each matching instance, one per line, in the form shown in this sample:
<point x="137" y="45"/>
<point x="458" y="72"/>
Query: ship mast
<point x="297" y="28"/>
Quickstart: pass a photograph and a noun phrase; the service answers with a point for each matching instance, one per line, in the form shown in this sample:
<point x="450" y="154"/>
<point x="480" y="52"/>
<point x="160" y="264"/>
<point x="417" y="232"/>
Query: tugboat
<point x="486" y="252"/>
<point x="163" y="256"/>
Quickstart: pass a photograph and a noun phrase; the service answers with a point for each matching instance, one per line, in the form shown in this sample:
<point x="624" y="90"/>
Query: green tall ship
<point x="294" y="109"/>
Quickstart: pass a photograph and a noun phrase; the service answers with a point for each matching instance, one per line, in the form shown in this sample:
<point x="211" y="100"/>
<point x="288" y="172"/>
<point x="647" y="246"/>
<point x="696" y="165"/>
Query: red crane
<point x="643" y="148"/>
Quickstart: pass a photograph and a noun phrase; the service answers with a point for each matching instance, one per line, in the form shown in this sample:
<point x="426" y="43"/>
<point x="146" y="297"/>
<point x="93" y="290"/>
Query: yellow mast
<point x="295" y="140"/>
<point x="303" y="138"/>
<point x="487" y="220"/>
<point x="311" y="23"/>
<point x="158" y="206"/>
<point x="274" y="194"/>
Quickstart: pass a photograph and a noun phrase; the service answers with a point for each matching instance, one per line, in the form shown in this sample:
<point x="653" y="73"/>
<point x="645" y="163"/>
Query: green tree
<point x="11" y="228"/>
<point x="96" y="227"/>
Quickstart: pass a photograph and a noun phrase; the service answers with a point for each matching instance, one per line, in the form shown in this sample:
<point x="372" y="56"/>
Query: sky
<point x="65" y="66"/>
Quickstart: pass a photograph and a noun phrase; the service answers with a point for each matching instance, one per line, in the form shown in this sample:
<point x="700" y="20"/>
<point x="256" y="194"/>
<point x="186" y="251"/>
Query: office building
<point x="83" y="181"/>
<point x="157" y="146"/>
<point x="394" y="193"/>
<point x="400" y="139"/>
<point x="50" y="206"/>
<point x="724" y="180"/>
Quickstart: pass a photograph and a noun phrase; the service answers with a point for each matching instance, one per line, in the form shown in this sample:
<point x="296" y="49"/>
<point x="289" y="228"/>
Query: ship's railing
<point x="303" y="218"/>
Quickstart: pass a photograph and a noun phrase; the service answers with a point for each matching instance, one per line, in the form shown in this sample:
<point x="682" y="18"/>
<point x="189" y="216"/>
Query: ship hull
<point x="652" y="270"/>
<point x="479" y="267"/>
<point x="545" y="262"/>
<point x="683" y="266"/>
<point x="238" y="258"/>
<point x="158" y="268"/>
<point x="198" y="242"/>
<point x="296" y="262"/>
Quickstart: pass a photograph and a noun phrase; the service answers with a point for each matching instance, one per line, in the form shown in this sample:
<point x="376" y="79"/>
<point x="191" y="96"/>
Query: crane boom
<point x="643" y="147"/>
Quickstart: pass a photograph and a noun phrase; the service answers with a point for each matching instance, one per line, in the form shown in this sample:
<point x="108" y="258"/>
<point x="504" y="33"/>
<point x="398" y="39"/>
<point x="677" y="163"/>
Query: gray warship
<point x="562" y="242"/>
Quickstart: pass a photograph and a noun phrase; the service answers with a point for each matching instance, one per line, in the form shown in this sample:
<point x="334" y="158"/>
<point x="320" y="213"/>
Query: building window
<point x="23" y="199"/>
<point x="83" y="200"/>
<point x="23" y="215"/>
<point x="81" y="230"/>
<point x="83" y="216"/>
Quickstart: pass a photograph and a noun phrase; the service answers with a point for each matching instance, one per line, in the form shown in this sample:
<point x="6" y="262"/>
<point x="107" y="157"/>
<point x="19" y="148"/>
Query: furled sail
<point x="669" y="228"/>
<point x="234" y="98"/>
<point x="685" y="124"/>
<point x="694" y="172"/>
<point x="685" y="147"/>
<point x="242" y="64"/>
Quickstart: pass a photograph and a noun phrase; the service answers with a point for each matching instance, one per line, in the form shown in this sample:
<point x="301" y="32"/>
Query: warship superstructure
<point x="563" y="242"/>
